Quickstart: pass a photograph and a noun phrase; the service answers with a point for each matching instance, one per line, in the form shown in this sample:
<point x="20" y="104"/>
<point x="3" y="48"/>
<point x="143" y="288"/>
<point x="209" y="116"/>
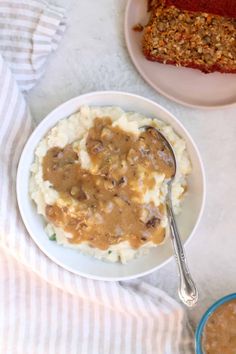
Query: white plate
<point x="72" y="259"/>
<point x="183" y="85"/>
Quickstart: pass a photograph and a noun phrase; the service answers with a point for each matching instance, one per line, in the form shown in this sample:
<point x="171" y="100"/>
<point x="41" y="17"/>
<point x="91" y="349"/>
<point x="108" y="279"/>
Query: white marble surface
<point x="92" y="56"/>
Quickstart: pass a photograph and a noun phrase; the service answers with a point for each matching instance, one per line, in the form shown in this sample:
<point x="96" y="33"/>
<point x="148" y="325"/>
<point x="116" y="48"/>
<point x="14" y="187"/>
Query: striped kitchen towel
<point x="45" y="309"/>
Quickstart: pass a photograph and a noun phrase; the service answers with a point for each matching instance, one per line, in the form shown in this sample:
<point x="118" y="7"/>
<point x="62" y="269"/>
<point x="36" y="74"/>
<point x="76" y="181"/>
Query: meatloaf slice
<point x="192" y="39"/>
<point x="226" y="8"/>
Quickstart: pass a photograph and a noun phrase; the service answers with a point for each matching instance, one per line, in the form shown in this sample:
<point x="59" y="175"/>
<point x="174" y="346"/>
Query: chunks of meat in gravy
<point x="108" y="208"/>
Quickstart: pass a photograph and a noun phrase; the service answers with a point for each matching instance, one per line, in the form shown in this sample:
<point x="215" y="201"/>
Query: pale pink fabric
<point x="44" y="308"/>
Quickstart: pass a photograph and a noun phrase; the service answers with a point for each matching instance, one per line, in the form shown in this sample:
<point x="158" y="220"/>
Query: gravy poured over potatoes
<point x="100" y="182"/>
<point x="108" y="202"/>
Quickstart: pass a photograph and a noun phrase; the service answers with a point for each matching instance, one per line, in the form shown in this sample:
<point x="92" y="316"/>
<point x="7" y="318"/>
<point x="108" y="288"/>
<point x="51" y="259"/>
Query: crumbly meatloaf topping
<point x="192" y="39"/>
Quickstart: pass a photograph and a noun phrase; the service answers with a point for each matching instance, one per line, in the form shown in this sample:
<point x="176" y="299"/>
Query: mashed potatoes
<point x="70" y="155"/>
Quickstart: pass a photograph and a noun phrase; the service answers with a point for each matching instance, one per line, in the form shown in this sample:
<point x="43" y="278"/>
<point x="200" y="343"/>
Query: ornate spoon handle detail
<point x="187" y="288"/>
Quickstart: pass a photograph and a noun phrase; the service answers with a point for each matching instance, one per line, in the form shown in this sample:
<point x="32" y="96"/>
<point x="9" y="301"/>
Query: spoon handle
<point x="187" y="289"/>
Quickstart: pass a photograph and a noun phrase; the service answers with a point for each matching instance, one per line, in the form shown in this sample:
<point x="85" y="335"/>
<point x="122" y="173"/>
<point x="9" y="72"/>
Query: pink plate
<point x="183" y="85"/>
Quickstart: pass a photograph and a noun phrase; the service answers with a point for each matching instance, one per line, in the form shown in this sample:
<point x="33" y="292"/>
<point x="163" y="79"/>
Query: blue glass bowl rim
<point x="207" y="314"/>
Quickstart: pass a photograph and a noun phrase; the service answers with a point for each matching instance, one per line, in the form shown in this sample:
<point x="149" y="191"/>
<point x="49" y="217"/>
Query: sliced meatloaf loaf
<point x="195" y="39"/>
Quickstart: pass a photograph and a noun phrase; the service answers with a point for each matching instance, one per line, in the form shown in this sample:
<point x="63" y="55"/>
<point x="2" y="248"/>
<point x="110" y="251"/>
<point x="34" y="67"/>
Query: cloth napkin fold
<point x="44" y="308"/>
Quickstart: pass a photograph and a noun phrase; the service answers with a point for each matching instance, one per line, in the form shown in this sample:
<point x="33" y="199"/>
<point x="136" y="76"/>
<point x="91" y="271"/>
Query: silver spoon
<point x="188" y="293"/>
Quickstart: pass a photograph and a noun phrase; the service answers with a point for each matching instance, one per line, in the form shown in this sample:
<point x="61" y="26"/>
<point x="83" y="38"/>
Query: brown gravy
<point x="219" y="336"/>
<point x="107" y="208"/>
